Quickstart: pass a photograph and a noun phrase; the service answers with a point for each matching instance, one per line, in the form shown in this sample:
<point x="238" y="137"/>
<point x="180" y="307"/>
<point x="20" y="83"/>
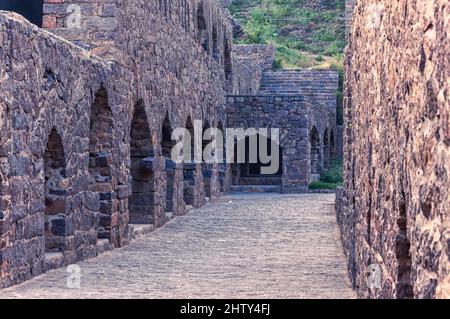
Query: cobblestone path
<point x="241" y="246"/>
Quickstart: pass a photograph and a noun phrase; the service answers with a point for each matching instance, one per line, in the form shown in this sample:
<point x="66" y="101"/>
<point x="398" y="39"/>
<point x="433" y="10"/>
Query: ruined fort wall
<point x="179" y="52"/>
<point x="394" y="213"/>
<point x="249" y="64"/>
<point x="175" y="74"/>
<point x="162" y="71"/>
<point x="48" y="88"/>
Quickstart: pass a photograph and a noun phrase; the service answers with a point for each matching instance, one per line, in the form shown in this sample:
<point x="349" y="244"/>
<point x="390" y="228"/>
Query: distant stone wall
<point x="349" y="7"/>
<point x="296" y="117"/>
<point x="394" y="211"/>
<point x="249" y="63"/>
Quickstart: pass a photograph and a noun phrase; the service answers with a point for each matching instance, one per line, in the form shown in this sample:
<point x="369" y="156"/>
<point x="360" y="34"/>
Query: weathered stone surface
<point x="249" y="64"/>
<point x="395" y="210"/>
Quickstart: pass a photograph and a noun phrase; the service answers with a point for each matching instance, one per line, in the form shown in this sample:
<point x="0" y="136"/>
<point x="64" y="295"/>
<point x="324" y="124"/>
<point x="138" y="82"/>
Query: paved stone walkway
<point x="242" y="246"/>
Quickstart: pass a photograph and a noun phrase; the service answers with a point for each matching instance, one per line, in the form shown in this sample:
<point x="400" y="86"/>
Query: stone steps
<point x="255" y="189"/>
<point x="289" y="82"/>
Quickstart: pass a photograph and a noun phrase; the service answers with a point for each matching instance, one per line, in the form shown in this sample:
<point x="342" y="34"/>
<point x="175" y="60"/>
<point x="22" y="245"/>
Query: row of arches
<point x="322" y="151"/>
<point x="150" y="167"/>
<point x="212" y="46"/>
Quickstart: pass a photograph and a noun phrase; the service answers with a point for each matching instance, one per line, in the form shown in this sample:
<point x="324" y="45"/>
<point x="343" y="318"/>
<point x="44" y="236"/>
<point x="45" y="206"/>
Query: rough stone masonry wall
<point x="160" y="44"/>
<point x="174" y="74"/>
<point x="47" y="88"/>
<point x="295" y="116"/>
<point x="164" y="70"/>
<point x="249" y="64"/>
<point x="395" y="208"/>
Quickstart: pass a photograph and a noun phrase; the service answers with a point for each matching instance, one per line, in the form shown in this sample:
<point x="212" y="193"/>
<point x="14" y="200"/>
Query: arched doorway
<point x="141" y="203"/>
<point x="101" y="139"/>
<point x="203" y="37"/>
<point x="215" y="48"/>
<point x="252" y="172"/>
<point x="332" y="146"/>
<point x="32" y="10"/>
<point x="55" y="193"/>
<point x="189" y="166"/>
<point x="315" y="154"/>
<point x="170" y="168"/>
<point x="227" y="62"/>
<point x="222" y="166"/>
<point x="326" y="150"/>
<point x="206" y="167"/>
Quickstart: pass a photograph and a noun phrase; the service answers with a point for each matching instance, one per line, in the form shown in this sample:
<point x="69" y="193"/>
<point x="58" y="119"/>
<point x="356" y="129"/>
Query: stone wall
<point x="349" y="7"/>
<point x="86" y="137"/>
<point x="176" y="76"/>
<point x="297" y="117"/>
<point x="249" y="64"/>
<point x="179" y="52"/>
<point x="48" y="205"/>
<point x="394" y="209"/>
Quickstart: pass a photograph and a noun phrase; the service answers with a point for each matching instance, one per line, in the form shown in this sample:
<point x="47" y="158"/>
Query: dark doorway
<point x="315" y="154"/>
<point x="101" y="140"/>
<point x="141" y="203"/>
<point x="167" y="144"/>
<point x="55" y="193"/>
<point x="206" y="167"/>
<point x="252" y="169"/>
<point x="326" y="150"/>
<point x="189" y="167"/>
<point x="203" y="37"/>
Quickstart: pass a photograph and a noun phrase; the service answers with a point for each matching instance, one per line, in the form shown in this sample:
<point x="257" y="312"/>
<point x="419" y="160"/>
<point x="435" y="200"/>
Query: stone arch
<point x="222" y="167"/>
<point x="166" y="137"/>
<point x="141" y="204"/>
<point x="227" y="62"/>
<point x="101" y="140"/>
<point x="170" y="167"/>
<point x="206" y="167"/>
<point x="56" y="187"/>
<point x="326" y="149"/>
<point x="253" y="165"/>
<point x="32" y="10"/>
<point x="189" y="167"/>
<point x="332" y="145"/>
<point x="315" y="154"/>
<point x="215" y="44"/>
<point x="165" y="7"/>
<point x="202" y="29"/>
<point x="185" y="14"/>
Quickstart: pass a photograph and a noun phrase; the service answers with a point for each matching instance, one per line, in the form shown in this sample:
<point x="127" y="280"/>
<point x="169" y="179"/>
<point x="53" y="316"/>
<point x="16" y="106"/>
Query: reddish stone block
<point x="49" y="22"/>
